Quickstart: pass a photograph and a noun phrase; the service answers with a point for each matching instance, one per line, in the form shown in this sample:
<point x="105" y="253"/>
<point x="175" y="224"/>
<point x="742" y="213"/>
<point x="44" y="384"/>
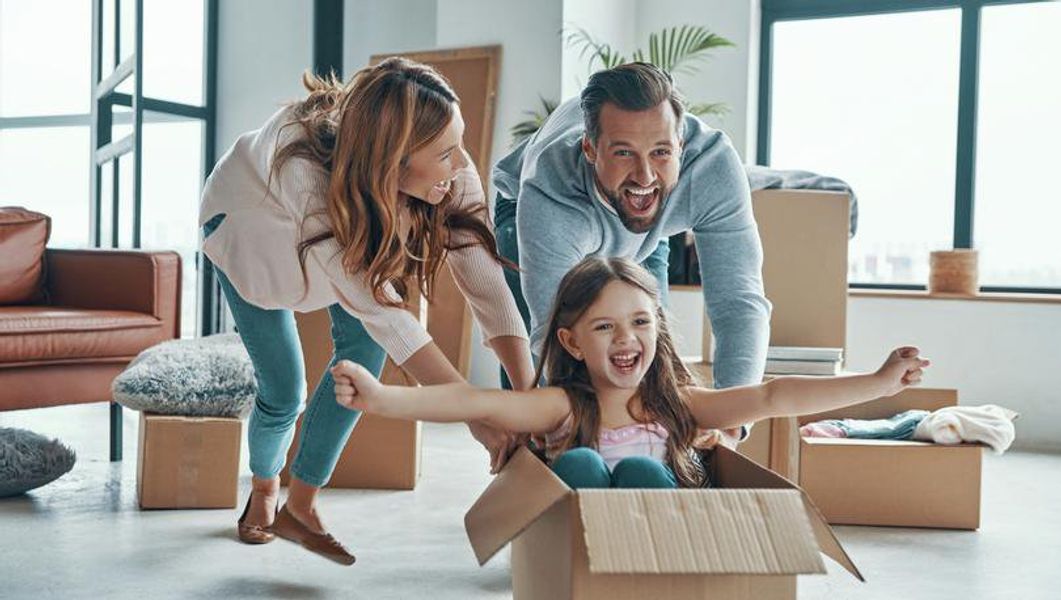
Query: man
<point x="616" y="172"/>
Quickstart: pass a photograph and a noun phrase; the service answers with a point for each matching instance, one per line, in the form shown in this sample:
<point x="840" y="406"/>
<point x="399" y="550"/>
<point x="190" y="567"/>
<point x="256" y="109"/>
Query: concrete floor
<point x="84" y="537"/>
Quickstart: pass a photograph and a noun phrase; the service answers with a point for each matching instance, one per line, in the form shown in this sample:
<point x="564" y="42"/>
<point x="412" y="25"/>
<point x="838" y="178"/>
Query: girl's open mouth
<point x="625" y="362"/>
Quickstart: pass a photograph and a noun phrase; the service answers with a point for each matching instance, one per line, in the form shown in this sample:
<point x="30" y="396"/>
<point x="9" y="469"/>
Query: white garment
<point x="989" y="424"/>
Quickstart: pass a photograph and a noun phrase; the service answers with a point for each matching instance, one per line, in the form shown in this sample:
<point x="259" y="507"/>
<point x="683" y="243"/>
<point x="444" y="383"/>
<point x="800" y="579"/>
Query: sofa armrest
<point x="135" y="280"/>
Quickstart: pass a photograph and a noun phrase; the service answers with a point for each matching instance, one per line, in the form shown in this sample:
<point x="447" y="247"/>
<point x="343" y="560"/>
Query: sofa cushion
<point x="205" y="377"/>
<point x="29" y="460"/>
<point x="45" y="334"/>
<point x="23" y="235"/>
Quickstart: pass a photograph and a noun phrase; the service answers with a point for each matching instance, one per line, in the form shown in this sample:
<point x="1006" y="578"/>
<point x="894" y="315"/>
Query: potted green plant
<point x="680" y="49"/>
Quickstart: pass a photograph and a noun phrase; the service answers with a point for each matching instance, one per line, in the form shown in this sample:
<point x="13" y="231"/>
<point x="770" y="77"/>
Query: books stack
<point x="798" y="360"/>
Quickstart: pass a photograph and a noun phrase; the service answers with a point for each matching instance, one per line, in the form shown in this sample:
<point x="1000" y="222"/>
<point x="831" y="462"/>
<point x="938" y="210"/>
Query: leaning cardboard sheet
<point x="748" y="536"/>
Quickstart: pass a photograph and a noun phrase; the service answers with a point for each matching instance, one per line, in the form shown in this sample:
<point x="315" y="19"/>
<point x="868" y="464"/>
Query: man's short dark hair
<point x="634" y="86"/>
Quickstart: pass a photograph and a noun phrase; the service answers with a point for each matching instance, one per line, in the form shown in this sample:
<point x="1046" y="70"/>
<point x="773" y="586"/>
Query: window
<point x="46" y="95"/>
<point x="884" y="121"/>
<point x="939" y="113"/>
<point x="44" y="125"/>
<point x="1017" y="209"/>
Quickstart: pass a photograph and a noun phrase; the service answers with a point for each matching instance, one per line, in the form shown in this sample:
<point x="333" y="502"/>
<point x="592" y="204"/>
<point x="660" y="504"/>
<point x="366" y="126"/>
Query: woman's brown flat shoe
<point x="252" y="534"/>
<point x="290" y="528"/>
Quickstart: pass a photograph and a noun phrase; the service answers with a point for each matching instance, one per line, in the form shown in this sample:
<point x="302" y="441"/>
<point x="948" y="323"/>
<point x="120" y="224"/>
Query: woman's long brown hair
<point x="361" y="133"/>
<point x="660" y="390"/>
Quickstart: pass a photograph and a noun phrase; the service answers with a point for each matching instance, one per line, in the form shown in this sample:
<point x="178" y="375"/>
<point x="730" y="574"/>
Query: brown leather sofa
<point x="103" y="308"/>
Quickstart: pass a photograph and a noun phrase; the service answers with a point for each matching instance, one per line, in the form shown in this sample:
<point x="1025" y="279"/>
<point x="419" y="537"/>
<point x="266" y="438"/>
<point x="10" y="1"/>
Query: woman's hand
<point x="902" y="368"/>
<point x="498" y="442"/>
<point x="356" y="388"/>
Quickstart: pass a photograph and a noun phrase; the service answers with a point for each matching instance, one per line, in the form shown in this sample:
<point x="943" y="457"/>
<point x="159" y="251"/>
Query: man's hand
<point x="498" y="443"/>
<point x="709" y="438"/>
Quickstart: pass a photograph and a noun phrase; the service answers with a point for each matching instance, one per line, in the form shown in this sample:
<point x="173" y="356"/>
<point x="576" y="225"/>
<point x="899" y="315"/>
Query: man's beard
<point x="633" y="223"/>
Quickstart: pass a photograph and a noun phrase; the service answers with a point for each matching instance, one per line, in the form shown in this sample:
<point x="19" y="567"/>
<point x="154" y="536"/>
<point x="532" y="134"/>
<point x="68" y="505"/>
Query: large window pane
<point x="172" y="181"/>
<point x="46" y="169"/>
<point x="173" y="50"/>
<point x="45" y="49"/>
<point x="126" y="200"/>
<point x="873" y="100"/>
<point x="107" y="238"/>
<point x="1018" y="210"/>
<point x="126" y="29"/>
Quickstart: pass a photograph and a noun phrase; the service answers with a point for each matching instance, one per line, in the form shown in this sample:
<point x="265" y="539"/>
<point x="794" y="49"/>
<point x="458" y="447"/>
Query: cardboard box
<point x="188" y="462"/>
<point x="804" y="235"/>
<point x="748" y="537"/>
<point x="381" y="453"/>
<point x="894" y="483"/>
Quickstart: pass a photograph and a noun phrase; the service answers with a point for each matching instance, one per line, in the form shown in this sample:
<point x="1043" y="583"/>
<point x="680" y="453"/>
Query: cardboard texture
<point x="888" y="482"/>
<point x="804" y="235"/>
<point x="381" y="453"/>
<point x="731" y="541"/>
<point x="187" y="462"/>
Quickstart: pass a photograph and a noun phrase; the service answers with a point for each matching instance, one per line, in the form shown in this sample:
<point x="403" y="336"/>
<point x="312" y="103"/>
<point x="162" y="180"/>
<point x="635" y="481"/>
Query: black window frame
<point x="773" y="11"/>
<point x="105" y="152"/>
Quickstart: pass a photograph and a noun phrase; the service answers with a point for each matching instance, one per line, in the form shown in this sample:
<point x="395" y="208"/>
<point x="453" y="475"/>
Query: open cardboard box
<point x="886" y="482"/>
<point x="747" y="537"/>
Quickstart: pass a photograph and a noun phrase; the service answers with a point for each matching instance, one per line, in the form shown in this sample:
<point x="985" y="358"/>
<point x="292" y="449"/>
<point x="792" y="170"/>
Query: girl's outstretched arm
<point x="538" y="410"/>
<point x="795" y="396"/>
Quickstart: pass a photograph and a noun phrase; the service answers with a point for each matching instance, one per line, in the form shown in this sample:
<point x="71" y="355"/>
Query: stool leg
<point x="116" y="432"/>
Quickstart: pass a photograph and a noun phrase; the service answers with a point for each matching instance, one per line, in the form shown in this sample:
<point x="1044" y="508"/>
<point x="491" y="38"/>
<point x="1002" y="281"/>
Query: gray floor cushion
<point x="29" y="460"/>
<point x="201" y="377"/>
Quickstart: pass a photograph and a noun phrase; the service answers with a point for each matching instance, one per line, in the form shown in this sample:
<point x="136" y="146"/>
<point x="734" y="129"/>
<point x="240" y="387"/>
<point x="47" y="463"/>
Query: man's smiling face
<point x="636" y="160"/>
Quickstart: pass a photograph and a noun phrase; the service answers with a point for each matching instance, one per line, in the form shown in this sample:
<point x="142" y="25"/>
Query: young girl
<point x="621" y="409"/>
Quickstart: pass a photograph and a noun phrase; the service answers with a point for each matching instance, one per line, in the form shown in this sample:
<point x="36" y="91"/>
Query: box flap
<point x="523" y="490"/>
<point x="731" y="470"/>
<point x="762" y="532"/>
<point x="848" y="442"/>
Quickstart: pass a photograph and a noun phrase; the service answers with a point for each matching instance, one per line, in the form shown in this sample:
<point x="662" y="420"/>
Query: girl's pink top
<point x="637" y="439"/>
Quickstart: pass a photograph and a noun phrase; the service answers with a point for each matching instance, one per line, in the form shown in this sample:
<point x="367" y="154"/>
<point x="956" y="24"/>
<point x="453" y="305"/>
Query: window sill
<point x="981" y="297"/>
<point x="923" y="295"/>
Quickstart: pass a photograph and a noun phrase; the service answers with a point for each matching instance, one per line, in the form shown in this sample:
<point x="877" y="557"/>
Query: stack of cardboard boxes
<point x="854" y="482"/>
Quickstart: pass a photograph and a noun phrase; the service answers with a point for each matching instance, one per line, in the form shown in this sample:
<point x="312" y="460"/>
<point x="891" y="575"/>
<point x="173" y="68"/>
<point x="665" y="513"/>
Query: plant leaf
<point x="527" y="128"/>
<point x="708" y="108"/>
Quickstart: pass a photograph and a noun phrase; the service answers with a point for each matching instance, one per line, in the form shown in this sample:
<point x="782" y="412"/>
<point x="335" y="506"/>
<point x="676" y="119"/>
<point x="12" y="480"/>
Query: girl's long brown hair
<point x="660" y="390"/>
<point x="361" y="133"/>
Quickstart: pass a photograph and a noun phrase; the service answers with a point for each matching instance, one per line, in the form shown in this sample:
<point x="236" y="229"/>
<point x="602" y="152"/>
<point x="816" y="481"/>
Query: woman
<point x="339" y="201"/>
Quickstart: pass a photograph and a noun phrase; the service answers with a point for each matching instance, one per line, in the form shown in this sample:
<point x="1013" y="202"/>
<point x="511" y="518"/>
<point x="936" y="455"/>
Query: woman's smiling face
<point x="615" y="337"/>
<point x="429" y="171"/>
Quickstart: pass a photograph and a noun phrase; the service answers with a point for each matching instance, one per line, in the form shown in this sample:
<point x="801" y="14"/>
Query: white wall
<point x="263" y="48"/>
<point x="613" y="22"/>
<point x="529" y="33"/>
<point x="725" y="77"/>
<point x="384" y="26"/>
